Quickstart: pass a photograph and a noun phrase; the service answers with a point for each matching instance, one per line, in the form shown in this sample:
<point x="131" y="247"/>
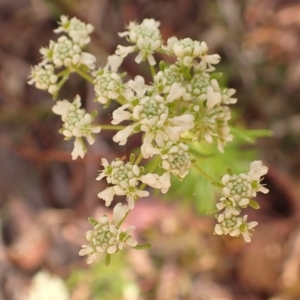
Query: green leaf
<point x="94" y="114"/>
<point x="107" y="259"/>
<point x="217" y="184"/>
<point x="216" y="75"/>
<point x="254" y="204"/>
<point x="229" y="171"/>
<point x="162" y="65"/>
<point x="93" y="221"/>
<point x="142" y="246"/>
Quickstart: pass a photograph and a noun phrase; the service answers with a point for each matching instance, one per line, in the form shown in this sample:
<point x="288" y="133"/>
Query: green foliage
<point x="195" y="189"/>
<point x="103" y="282"/>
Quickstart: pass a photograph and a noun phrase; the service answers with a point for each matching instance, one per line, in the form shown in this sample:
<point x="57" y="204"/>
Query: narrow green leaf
<point x="216" y="75"/>
<point x="217" y="184"/>
<point x="142" y="246"/>
<point x="254" y="204"/>
<point x="93" y="221"/>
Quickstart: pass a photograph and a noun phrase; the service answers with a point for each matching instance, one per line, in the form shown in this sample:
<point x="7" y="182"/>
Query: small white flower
<point x="107" y="237"/>
<point x="186" y="50"/>
<point x="234" y="226"/>
<point x="66" y="53"/>
<point x="77" y="123"/>
<point x="44" y="78"/>
<point x="124" y="178"/>
<point x="126" y="238"/>
<point x="84" y="128"/>
<point x="257" y="170"/>
<point x="78" y="31"/>
<point x="79" y="149"/>
<point x="122" y="135"/>
<point x="146" y="37"/>
<point x="229" y="205"/>
<point x="113" y="63"/>
<point x="159" y="182"/>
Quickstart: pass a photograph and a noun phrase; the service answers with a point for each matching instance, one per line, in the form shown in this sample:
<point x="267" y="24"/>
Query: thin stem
<point x="199" y="154"/>
<point x="138" y="160"/>
<point x="86" y="76"/>
<point x="65" y="77"/>
<point x="153" y="72"/>
<point x="112" y="127"/>
<point x="206" y="176"/>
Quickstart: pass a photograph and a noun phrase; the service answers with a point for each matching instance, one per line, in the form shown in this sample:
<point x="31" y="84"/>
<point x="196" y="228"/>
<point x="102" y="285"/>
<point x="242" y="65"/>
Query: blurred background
<point x="45" y="197"/>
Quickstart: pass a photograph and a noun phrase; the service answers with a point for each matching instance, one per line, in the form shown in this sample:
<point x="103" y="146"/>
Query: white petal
<point x="107" y="195"/>
<point x="119" y="213"/>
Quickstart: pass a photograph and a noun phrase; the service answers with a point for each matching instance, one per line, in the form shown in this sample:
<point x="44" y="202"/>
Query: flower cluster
<point x="181" y="108"/>
<point x="146" y="37"/>
<point x="238" y="191"/>
<point x="77" y="123"/>
<point x="124" y="178"/>
<point x="107" y="236"/>
<point x="65" y="52"/>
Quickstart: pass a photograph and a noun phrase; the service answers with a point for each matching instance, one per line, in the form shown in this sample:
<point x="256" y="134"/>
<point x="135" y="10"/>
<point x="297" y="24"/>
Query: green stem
<point x="138" y="160"/>
<point x="65" y="77"/>
<point x="86" y="76"/>
<point x="206" y="176"/>
<point x="153" y="72"/>
<point x="111" y="127"/>
<point x="199" y="154"/>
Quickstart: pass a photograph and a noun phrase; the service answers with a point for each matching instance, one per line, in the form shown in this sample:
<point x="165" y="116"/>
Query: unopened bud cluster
<point x="182" y="106"/>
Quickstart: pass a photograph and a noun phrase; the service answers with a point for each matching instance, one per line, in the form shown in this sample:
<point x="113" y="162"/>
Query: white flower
<point x="159" y="182"/>
<point x="234" y="226"/>
<point x="77" y="123"/>
<point x="122" y="135"/>
<point x="226" y="96"/>
<point x="83" y="128"/>
<point x="257" y="170"/>
<point x="123" y="51"/>
<point x="107" y="237"/>
<point x="163" y="80"/>
<point x="138" y="86"/>
<point x="246" y="227"/>
<point x="66" y="53"/>
<point x="78" y="31"/>
<point x="213" y="98"/>
<point x="176" y="92"/>
<point x="186" y="50"/>
<point x="126" y="238"/>
<point x="146" y="37"/>
<point x="124" y="178"/>
<point x="113" y="63"/>
<point x="230" y="206"/>
<point x="44" y="78"/>
<point x="79" y="149"/>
